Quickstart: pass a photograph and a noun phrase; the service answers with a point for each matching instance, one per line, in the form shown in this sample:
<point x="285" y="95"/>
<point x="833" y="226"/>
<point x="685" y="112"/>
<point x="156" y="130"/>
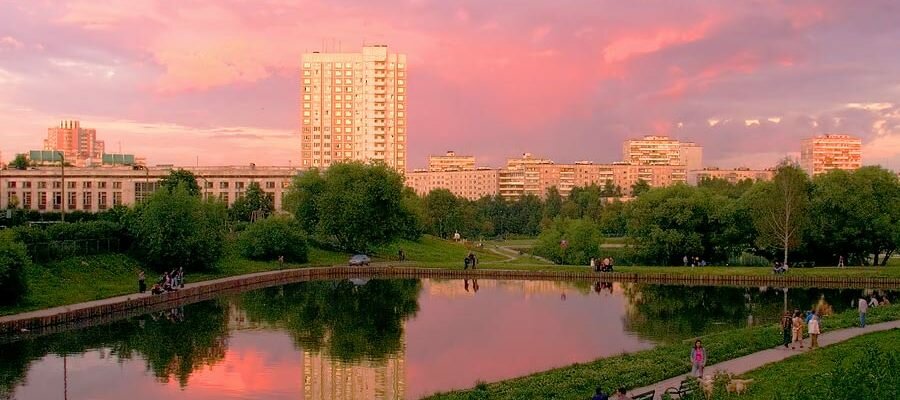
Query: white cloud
<point x="10" y="42"/>
<point x="870" y="106"/>
<point x="750" y="122"/>
<point x="774" y="119"/>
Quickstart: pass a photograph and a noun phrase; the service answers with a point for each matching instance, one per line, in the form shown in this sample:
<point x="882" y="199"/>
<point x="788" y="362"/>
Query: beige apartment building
<point x="824" y="153"/>
<point x="79" y="145"/>
<point x="522" y="176"/>
<point x="732" y="175"/>
<point x="567" y="176"/>
<point x="353" y="108"/>
<point x="662" y="150"/>
<point x="327" y="378"/>
<point x="471" y="184"/>
<point x="451" y="162"/>
<point x="97" y="189"/>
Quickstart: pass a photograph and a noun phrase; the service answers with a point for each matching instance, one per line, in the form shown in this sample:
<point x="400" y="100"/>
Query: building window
<point x="101" y="185"/>
<point x="11" y="184"/>
<point x="86" y="200"/>
<point x="223" y="185"/>
<point x="85" y="185"/>
<point x="26" y="185"/>
<point x="57" y="200"/>
<point x="70" y="185"/>
<point x="224" y="197"/>
<point x="42" y="200"/>
<point x="57" y="185"/>
<point x="239" y="185"/>
<point x="72" y="200"/>
<point x="26" y="200"/>
<point x="270" y="185"/>
<point x="117" y="198"/>
<point x="117" y="185"/>
<point x="42" y="185"/>
<point x="101" y="200"/>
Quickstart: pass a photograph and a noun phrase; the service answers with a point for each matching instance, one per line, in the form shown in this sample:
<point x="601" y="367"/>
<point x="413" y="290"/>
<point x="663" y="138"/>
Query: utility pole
<point x="62" y="164"/>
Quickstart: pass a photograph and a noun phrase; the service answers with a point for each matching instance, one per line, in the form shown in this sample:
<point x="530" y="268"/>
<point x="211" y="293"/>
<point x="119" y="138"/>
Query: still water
<point x="377" y="339"/>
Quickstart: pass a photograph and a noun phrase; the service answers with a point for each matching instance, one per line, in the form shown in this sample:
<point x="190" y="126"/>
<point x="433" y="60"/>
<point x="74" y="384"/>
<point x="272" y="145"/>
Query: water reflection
<point x="378" y="339"/>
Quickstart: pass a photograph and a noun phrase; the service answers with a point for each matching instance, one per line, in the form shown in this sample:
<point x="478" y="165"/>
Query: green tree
<point x="444" y="213"/>
<point x="175" y="228"/>
<point x="640" y="187"/>
<point x="181" y="177"/>
<point x="779" y="208"/>
<point x="854" y="214"/>
<point x="253" y="200"/>
<point x="13" y="262"/>
<point x="570" y="241"/>
<point x="20" y="162"/>
<point x="274" y="237"/>
<point x="352" y="206"/>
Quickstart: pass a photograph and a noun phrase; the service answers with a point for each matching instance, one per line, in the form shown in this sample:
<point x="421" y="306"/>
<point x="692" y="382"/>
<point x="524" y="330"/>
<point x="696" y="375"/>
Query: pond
<point x="378" y="339"/>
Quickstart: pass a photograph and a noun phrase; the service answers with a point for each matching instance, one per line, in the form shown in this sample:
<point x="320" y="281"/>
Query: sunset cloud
<point x="569" y="81"/>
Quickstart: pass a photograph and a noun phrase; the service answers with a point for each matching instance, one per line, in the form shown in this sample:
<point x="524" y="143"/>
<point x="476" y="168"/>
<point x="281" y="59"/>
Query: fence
<point x="46" y="251"/>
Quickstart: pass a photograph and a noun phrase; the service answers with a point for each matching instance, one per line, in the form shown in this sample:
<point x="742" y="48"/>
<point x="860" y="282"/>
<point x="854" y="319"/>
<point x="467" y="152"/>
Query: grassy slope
<point x="783" y="377"/>
<point x="646" y="367"/>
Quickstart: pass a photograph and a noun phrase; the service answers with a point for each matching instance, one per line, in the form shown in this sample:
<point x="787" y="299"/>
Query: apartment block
<point x="353" y="108"/>
<point x="97" y="189"/>
<point x="522" y="176"/>
<point x="471" y="184"/>
<point x="79" y="145"/>
<point x="451" y="162"/>
<point x="662" y="150"/>
<point x="824" y="153"/>
<point x="733" y="175"/>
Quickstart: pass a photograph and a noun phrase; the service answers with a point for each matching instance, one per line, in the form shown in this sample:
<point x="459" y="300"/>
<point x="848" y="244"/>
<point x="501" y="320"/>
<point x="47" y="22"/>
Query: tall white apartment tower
<point x="353" y="108"/>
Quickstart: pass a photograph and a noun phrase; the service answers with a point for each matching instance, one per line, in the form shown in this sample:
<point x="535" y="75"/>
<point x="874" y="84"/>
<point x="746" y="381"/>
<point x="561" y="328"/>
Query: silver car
<point x="360" y="260"/>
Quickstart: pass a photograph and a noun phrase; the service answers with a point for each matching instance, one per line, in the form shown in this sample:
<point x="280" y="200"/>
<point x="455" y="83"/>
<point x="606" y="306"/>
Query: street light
<point x="62" y="165"/>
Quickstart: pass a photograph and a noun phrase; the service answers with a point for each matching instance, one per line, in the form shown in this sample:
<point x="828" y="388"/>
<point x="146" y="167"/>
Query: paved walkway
<point x="742" y="365"/>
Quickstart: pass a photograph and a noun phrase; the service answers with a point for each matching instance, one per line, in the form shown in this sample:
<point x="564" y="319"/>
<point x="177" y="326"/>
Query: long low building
<point x="97" y="189"/>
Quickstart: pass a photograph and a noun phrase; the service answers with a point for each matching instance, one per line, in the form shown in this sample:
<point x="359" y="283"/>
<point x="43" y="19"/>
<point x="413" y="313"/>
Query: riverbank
<point x="646" y="367"/>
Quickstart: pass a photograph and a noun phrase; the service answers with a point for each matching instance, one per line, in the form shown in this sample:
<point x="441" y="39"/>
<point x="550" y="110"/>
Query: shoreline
<point x="56" y="319"/>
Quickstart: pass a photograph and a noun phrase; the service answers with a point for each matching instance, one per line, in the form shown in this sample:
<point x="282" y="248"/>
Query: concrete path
<point x="742" y="365"/>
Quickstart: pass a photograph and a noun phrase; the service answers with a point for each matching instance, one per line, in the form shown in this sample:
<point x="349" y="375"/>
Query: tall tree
<point x="639" y="187"/>
<point x="181" y="176"/>
<point x="780" y="208"/>
<point x="20" y="162"/>
<point x="254" y="200"/>
<point x="443" y="213"/>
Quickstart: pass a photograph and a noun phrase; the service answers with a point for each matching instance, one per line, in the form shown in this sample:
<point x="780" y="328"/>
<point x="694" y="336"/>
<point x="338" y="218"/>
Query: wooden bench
<point x="687" y="386"/>
<point x="644" y="396"/>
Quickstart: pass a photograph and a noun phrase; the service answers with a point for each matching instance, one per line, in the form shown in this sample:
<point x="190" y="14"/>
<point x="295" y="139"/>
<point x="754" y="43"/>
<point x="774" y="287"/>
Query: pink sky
<point x="218" y="79"/>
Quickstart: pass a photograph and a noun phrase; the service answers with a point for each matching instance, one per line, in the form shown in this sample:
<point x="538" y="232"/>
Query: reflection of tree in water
<point x="667" y="313"/>
<point x="350" y="321"/>
<point x="172" y="346"/>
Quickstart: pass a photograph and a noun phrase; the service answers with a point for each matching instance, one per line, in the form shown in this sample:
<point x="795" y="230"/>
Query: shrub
<point x="13" y="261"/>
<point x="581" y="235"/>
<point x="273" y="237"/>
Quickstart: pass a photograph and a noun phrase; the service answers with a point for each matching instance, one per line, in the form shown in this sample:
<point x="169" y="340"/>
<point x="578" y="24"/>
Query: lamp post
<point x="62" y="165"/>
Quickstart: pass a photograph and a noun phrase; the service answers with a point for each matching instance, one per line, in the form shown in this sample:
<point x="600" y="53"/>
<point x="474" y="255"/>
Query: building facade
<point x="97" y="189"/>
<point x="522" y="176"/>
<point x="471" y="184"/>
<point x="824" y="153"/>
<point x="662" y="150"/>
<point x="733" y="175"/>
<point x="451" y="162"/>
<point x="353" y="108"/>
<point x="79" y="145"/>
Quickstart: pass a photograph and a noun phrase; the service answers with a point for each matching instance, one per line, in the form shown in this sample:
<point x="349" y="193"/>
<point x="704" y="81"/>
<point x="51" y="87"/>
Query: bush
<point x="72" y="238"/>
<point x="273" y="237"/>
<point x="175" y="228"/>
<point x="13" y="261"/>
<point x="583" y="238"/>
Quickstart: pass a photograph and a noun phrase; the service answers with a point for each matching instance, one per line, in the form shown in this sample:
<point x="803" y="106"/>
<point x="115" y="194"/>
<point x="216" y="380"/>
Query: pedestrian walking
<point x="841" y="261"/>
<point x="698" y="359"/>
<point x="814" y="331"/>
<point x="142" y="283"/>
<point x="786" y="326"/>
<point x="593" y="264"/>
<point x="685" y="260"/>
<point x="797" y="330"/>
<point x="863" y="308"/>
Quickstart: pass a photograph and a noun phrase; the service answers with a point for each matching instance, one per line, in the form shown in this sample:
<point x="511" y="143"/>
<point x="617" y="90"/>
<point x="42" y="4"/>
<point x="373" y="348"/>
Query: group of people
<point x="794" y="324"/>
<point x="604" y="265"/>
<point x="779" y="267"/>
<point x="619" y="394"/>
<point x="862" y="305"/>
<point x="470" y="261"/>
<point x="169" y="281"/>
<point x="693" y="261"/>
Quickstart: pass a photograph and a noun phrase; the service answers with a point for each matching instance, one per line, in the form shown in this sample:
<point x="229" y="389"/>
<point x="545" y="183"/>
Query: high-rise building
<point x="824" y="153"/>
<point x="353" y="108"/>
<point x="79" y="145"/>
<point x="522" y="176"/>
<point x="662" y="150"/>
<point x="451" y="162"/>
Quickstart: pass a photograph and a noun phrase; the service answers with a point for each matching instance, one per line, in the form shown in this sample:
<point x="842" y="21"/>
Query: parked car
<point x="360" y="260"/>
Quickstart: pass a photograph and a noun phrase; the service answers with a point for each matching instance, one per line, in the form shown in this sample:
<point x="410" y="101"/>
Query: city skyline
<point x="217" y="81"/>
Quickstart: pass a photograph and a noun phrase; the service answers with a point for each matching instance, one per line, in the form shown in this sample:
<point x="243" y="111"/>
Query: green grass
<point x="646" y="367"/>
<point x="817" y="368"/>
<point x="435" y="252"/>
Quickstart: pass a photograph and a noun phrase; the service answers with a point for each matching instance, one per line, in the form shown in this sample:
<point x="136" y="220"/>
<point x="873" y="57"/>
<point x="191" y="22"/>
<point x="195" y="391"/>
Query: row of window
<point x="58" y="185"/>
<point x="349" y="65"/>
<point x="26" y="200"/>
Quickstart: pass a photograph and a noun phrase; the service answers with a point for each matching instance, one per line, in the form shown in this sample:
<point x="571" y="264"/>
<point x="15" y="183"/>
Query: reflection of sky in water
<point x="458" y="336"/>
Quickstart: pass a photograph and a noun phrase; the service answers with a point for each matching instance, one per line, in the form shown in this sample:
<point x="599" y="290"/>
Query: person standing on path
<point x="863" y="307"/>
<point x="142" y="281"/>
<point x="698" y="359"/>
<point x="797" y="330"/>
<point x="786" y="326"/>
<point x="814" y="331"/>
<point x="841" y="261"/>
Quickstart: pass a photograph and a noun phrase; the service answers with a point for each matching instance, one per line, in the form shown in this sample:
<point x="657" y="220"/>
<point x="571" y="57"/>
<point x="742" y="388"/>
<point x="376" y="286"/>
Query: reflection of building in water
<point x="456" y="288"/>
<point x="325" y="378"/>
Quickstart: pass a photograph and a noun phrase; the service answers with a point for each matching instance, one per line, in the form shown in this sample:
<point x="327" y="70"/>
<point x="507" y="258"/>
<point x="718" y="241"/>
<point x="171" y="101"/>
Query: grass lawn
<point x="646" y="367"/>
<point x="812" y="374"/>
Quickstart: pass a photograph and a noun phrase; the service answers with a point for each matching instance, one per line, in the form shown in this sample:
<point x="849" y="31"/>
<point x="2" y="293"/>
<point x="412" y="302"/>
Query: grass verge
<point x="646" y="367"/>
